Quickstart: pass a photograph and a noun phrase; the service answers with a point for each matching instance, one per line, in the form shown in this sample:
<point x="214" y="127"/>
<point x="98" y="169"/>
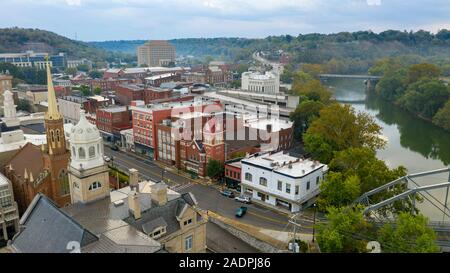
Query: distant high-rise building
<point x="156" y="53"/>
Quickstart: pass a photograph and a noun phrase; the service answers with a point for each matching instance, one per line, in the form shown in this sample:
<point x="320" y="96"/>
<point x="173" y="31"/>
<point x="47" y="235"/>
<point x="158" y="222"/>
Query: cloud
<point x="144" y="19"/>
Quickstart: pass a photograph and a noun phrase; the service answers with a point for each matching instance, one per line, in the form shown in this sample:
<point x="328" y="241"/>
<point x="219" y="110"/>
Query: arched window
<point x="263" y="181"/>
<point x="94" y="186"/>
<point x="91" y="152"/>
<point x="81" y="153"/>
<point x="74" y="152"/>
<point x="64" y="186"/>
<point x="57" y="135"/>
<point x="248" y="177"/>
<point x="52" y="135"/>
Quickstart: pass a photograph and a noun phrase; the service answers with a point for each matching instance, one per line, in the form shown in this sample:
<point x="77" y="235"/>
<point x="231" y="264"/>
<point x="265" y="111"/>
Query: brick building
<point x="154" y="93"/>
<point x="126" y="93"/>
<point x="111" y="120"/>
<point x="157" y="80"/>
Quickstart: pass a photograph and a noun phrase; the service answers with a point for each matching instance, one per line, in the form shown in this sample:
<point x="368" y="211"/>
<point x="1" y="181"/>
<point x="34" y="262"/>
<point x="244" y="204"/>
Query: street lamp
<point x="314" y="221"/>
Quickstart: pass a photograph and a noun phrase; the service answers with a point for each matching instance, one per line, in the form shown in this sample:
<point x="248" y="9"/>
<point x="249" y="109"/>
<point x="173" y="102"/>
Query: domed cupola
<point x="86" y="145"/>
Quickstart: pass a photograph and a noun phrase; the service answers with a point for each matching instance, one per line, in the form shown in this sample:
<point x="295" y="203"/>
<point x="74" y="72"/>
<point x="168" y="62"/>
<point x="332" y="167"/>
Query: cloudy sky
<point x="97" y="20"/>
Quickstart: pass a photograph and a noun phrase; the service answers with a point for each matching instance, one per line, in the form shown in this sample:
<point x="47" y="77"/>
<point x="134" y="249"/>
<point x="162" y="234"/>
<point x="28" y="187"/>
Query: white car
<point x="107" y="159"/>
<point x="243" y="199"/>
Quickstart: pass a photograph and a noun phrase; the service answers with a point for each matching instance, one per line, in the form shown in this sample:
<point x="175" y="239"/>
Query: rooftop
<point x="261" y="124"/>
<point x="114" y="109"/>
<point x="160" y="76"/>
<point x="280" y="163"/>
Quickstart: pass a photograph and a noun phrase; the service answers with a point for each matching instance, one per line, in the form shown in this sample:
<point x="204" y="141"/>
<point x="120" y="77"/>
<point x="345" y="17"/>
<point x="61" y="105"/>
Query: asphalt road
<point x="208" y="197"/>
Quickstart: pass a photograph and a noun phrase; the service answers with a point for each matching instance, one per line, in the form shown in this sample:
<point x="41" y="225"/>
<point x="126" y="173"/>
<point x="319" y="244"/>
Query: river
<point x="413" y="143"/>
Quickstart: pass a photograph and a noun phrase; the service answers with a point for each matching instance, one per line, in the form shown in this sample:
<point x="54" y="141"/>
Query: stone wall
<point x="252" y="241"/>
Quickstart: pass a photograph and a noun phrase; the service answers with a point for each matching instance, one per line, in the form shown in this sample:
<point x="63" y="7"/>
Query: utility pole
<point x="314" y="222"/>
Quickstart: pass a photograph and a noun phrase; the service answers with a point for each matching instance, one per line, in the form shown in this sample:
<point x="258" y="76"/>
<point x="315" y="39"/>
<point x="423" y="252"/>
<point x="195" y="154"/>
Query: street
<point x="208" y="197"/>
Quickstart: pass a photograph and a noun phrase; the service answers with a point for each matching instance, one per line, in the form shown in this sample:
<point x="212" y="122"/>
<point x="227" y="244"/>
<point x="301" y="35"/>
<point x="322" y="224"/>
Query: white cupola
<point x="86" y="145"/>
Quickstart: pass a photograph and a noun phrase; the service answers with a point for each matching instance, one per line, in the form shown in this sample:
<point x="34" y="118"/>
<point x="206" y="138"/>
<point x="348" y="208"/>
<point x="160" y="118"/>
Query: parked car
<point x="241" y="211"/>
<point x="243" y="199"/>
<point x="227" y="193"/>
<point x="107" y="159"/>
<point x="115" y="148"/>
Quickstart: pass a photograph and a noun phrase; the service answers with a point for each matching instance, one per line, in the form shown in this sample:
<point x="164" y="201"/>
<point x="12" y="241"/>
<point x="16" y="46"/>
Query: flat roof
<point x="279" y="162"/>
<point x="261" y="124"/>
<point x="115" y="109"/>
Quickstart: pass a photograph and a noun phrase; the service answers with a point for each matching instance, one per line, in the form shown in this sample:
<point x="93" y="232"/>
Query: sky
<point x="99" y="20"/>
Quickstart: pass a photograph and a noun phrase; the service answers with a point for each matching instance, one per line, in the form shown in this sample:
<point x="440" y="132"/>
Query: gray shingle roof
<point x="150" y="226"/>
<point x="49" y="230"/>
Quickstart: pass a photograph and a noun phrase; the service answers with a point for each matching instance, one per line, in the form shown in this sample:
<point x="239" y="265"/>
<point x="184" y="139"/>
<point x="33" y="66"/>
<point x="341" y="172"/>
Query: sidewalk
<point x="272" y="208"/>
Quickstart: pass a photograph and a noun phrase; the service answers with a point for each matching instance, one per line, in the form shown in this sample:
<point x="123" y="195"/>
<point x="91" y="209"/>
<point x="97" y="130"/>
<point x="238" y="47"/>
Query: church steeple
<point x="52" y="111"/>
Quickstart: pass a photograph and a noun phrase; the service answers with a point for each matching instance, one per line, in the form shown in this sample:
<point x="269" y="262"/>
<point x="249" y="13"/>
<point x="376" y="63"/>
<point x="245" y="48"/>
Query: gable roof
<point x="160" y="215"/>
<point x="21" y="160"/>
<point x="47" y="229"/>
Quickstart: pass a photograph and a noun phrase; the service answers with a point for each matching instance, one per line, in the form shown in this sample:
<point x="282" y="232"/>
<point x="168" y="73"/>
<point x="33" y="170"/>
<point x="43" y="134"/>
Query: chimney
<point x="134" y="180"/>
<point x="134" y="205"/>
<point x="159" y="193"/>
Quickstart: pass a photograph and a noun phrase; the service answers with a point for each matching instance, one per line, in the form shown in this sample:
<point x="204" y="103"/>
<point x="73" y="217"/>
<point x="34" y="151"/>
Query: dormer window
<point x="158" y="232"/>
<point x="188" y="222"/>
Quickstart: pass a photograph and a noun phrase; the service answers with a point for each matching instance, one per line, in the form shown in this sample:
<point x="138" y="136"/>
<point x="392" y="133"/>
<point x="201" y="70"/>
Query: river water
<point x="413" y="143"/>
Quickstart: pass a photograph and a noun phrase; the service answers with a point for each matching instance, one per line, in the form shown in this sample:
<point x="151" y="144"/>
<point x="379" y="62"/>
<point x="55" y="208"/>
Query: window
<point x="280" y="185"/>
<point x="64" y="182"/>
<point x="81" y="153"/>
<point x="248" y="177"/>
<point x="308" y="185"/>
<point x="73" y="152"/>
<point x="263" y="181"/>
<point x="187" y="222"/>
<point x="317" y="180"/>
<point x="297" y="190"/>
<point x="188" y="243"/>
<point x="91" y="152"/>
<point x="52" y="135"/>
<point x="288" y="188"/>
<point x="57" y="135"/>
<point x="94" y="186"/>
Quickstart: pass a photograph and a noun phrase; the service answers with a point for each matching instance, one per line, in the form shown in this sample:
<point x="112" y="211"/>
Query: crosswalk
<point x="181" y="187"/>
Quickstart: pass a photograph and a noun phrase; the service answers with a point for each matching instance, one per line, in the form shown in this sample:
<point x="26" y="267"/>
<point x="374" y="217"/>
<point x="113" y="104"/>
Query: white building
<point x="9" y="213"/>
<point x="258" y="82"/>
<point x="70" y="107"/>
<point x="281" y="180"/>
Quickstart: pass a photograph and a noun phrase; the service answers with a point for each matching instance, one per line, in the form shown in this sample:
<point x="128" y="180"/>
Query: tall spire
<point x="52" y="111"/>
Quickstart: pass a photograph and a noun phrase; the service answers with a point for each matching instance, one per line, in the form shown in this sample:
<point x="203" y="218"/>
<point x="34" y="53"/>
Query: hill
<point x="354" y="51"/>
<point x="19" y="39"/>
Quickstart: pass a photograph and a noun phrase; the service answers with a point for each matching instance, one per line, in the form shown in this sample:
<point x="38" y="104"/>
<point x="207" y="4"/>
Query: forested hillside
<point x="20" y="39"/>
<point x="349" y="52"/>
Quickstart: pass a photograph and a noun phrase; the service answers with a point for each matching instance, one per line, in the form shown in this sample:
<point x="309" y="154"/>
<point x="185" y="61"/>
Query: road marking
<point x="181" y="187"/>
<point x="267" y="218"/>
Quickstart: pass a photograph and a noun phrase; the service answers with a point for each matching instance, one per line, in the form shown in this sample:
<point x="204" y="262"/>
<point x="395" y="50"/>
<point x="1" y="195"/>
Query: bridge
<point x="341" y="76"/>
<point x="408" y="189"/>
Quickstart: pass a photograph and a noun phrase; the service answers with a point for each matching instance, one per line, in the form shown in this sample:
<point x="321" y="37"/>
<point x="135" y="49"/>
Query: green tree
<point x="425" y="97"/>
<point x="71" y="71"/>
<point x="304" y="114"/>
<point x="342" y="128"/>
<point x="392" y="86"/>
<point x="83" y="67"/>
<point x="319" y="148"/>
<point x="214" y="168"/>
<point x="410" y="234"/>
<point x="85" y="90"/>
<point x="442" y="117"/>
<point x="338" y="190"/>
<point x="97" y="90"/>
<point x="95" y="74"/>
<point x="305" y="85"/>
<point x="24" y="105"/>
<point x="422" y="71"/>
<point x="344" y="231"/>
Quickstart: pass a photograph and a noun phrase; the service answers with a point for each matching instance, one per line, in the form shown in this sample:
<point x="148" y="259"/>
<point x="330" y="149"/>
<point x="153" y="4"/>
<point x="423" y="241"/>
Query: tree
<point x="442" y="117"/>
<point x="425" y="97"/>
<point x="83" y="67"/>
<point x="423" y="71"/>
<point x="338" y="190"/>
<point x="392" y="86"/>
<point x="319" y="148"/>
<point x="85" y="90"/>
<point x="24" y="105"/>
<point x="344" y="231"/>
<point x="304" y="114"/>
<point x="214" y="168"/>
<point x="97" y="90"/>
<point x="305" y="85"/>
<point x="410" y="234"/>
<point x="342" y="128"/>
<point x="71" y="71"/>
<point x="95" y="74"/>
